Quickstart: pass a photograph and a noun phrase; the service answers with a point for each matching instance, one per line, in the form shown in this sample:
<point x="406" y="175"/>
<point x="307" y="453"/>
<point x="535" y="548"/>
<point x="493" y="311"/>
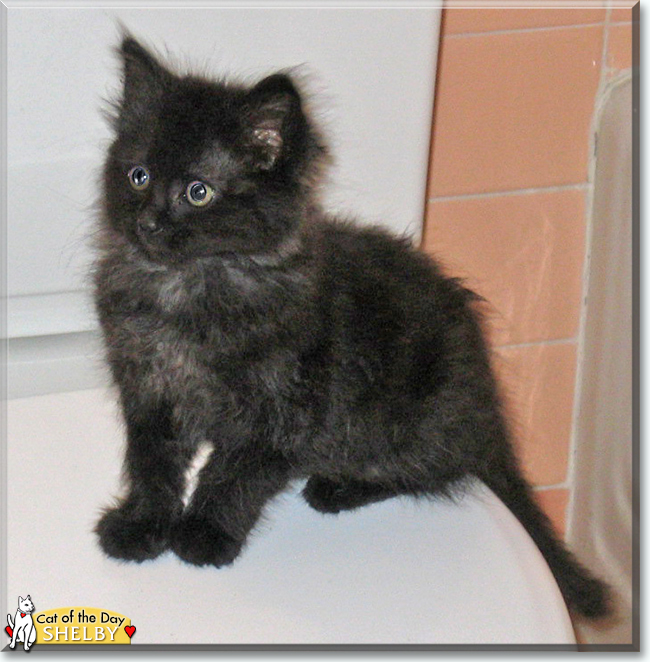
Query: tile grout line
<point x="509" y="192"/>
<point x="555" y="486"/>
<point x="537" y="343"/>
<point x="578" y="26"/>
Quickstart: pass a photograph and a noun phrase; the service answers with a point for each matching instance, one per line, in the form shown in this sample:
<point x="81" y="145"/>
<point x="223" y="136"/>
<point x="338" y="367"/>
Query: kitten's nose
<point x="147" y="223"/>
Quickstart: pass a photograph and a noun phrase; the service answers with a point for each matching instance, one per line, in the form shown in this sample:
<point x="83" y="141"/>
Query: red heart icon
<point x="129" y="629"/>
<point x="9" y="631"/>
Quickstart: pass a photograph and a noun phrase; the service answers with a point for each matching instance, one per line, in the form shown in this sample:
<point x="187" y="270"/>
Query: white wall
<point x="371" y="71"/>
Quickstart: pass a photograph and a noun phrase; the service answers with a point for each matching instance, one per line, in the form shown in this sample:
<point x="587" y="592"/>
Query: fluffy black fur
<point x="299" y="345"/>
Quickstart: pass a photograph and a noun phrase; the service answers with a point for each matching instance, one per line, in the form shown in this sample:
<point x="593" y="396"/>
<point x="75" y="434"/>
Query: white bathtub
<point x="398" y="572"/>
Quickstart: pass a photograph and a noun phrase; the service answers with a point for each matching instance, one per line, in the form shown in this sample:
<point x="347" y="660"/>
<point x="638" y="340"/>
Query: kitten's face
<point x="201" y="169"/>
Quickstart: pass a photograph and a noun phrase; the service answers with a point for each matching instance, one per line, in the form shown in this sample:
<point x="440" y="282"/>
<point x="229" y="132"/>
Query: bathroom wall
<point x="509" y="199"/>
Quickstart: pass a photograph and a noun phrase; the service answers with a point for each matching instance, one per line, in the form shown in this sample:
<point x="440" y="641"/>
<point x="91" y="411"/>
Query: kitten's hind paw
<point x="123" y="535"/>
<point x="200" y="542"/>
<point x="332" y="496"/>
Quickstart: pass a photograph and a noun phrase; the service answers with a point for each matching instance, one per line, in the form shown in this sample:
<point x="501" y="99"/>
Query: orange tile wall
<point x="508" y="197"/>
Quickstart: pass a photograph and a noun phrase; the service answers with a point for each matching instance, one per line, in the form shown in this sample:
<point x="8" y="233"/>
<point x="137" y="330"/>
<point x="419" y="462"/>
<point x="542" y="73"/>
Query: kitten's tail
<point x="584" y="594"/>
<point x="10" y="621"/>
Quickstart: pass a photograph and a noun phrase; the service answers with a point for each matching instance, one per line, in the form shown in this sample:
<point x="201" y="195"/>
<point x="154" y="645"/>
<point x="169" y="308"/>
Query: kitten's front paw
<point x="200" y="542"/>
<point x="125" y="535"/>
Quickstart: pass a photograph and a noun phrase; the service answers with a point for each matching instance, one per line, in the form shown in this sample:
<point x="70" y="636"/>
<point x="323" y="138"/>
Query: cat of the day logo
<point x="67" y="625"/>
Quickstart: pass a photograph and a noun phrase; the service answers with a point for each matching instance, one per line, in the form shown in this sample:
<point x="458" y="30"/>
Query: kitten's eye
<point x="139" y="178"/>
<point x="199" y="193"/>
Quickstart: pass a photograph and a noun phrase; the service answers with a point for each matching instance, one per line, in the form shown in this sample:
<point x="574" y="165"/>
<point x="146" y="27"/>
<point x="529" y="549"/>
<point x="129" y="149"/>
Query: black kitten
<point x="235" y="311"/>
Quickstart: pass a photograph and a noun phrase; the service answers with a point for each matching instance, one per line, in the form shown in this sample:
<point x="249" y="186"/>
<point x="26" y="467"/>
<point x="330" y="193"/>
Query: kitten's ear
<point x="274" y="119"/>
<point x="144" y="79"/>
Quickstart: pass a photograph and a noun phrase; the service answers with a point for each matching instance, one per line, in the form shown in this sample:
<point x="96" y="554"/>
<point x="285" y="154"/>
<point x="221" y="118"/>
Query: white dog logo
<point x="22" y="627"/>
